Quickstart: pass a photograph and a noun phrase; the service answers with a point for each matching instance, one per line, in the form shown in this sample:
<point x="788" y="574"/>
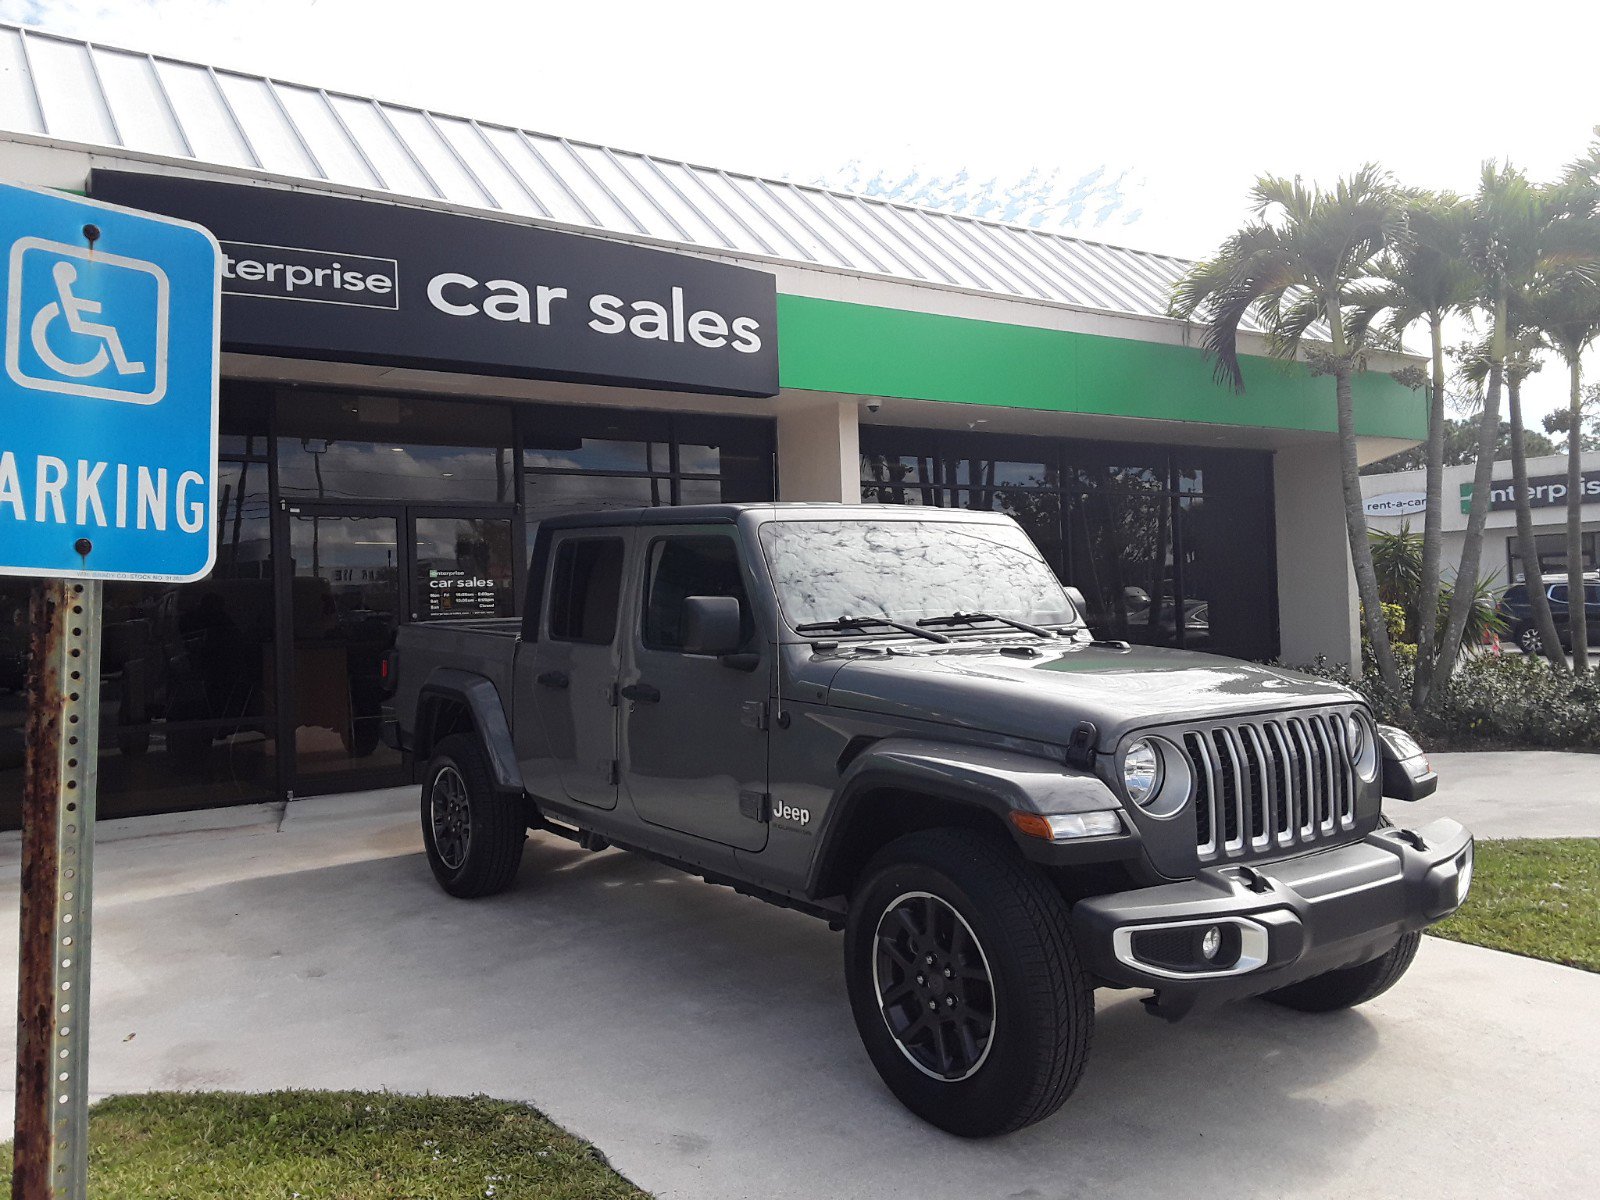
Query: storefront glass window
<point x="1170" y="546"/>
<point x="464" y="567"/>
<point x="1552" y="549"/>
<point x="582" y="460"/>
<point x="185" y="714"/>
<point x="343" y="446"/>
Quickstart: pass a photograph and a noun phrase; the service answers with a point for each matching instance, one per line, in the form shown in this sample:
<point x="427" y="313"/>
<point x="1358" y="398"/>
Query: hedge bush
<point x="1492" y="702"/>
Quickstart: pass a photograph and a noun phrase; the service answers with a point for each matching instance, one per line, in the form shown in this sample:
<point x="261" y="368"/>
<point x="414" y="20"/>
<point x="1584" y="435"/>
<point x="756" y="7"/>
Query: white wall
<point x="1318" y="612"/>
<point x="819" y="450"/>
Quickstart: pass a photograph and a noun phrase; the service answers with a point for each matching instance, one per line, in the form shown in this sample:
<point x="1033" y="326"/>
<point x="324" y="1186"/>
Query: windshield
<point x="909" y="570"/>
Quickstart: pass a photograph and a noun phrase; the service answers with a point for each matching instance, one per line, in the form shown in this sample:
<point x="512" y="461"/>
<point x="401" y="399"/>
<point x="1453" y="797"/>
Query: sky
<point x="1185" y="103"/>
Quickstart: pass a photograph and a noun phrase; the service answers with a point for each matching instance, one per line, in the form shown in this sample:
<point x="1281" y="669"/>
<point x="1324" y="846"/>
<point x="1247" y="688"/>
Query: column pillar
<point x="819" y="450"/>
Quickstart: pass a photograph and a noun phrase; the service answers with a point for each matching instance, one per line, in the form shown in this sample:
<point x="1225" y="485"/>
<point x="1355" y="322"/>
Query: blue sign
<point x="108" y="401"/>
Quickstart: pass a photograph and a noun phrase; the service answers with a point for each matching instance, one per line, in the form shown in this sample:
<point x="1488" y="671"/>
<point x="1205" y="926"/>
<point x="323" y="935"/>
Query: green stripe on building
<point x="858" y="349"/>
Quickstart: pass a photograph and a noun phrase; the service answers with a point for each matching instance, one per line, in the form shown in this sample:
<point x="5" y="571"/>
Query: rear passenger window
<point x="1558" y="593"/>
<point x="681" y="567"/>
<point x="585" y="589"/>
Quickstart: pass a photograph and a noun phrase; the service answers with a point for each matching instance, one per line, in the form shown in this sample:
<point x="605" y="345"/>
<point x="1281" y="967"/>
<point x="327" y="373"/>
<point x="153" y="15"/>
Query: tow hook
<point x="1252" y="879"/>
<point x="1411" y="838"/>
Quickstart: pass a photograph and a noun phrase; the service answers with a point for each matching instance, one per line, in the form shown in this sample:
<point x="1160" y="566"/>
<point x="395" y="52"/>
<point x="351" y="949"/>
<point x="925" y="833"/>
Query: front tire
<point x="959" y="923"/>
<point x="1529" y="641"/>
<point x="1350" y="986"/>
<point x="472" y="833"/>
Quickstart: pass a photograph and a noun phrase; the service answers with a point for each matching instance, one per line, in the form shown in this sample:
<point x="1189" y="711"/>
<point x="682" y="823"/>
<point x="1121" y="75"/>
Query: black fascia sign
<point x="346" y="280"/>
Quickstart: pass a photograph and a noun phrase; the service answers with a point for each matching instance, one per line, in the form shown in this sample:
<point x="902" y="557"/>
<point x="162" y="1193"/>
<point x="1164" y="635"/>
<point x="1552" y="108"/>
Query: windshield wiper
<point x="842" y="624"/>
<point x="961" y="618"/>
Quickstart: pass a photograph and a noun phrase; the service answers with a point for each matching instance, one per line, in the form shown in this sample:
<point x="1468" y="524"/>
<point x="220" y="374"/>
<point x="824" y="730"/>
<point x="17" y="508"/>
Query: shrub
<point x="1492" y="700"/>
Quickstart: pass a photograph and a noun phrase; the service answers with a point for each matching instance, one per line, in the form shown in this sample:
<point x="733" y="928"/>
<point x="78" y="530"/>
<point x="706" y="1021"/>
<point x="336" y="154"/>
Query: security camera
<point x="873" y="406"/>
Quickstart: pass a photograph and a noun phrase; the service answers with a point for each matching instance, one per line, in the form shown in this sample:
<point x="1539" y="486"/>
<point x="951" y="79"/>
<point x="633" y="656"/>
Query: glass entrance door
<point x="347" y="569"/>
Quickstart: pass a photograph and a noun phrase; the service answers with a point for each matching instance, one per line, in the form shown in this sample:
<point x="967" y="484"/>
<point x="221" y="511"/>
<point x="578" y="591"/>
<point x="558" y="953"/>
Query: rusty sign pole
<point x="58" y="806"/>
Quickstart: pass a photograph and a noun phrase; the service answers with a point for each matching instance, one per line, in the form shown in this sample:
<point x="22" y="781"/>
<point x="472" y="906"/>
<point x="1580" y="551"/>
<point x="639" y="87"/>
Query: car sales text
<point x="459" y="295"/>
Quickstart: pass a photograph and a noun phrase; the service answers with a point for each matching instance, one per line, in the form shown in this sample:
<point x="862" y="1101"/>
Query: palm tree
<point x="1423" y="277"/>
<point x="1518" y="235"/>
<point x="1567" y="310"/>
<point x="1296" y="267"/>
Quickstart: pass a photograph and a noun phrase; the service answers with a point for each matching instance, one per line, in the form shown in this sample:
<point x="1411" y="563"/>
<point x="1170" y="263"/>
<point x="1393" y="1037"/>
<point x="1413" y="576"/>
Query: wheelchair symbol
<point x="73" y="309"/>
<point x="71" y="343"/>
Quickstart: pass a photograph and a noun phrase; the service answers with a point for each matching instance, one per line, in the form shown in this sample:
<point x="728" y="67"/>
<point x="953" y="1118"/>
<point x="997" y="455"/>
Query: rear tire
<point x="1015" y="1015"/>
<point x="1529" y="641"/>
<point x="1350" y="986"/>
<point x="472" y="832"/>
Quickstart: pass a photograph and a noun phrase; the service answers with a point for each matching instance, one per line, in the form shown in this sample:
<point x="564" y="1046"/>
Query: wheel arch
<point x="453" y="701"/>
<point x="901" y="785"/>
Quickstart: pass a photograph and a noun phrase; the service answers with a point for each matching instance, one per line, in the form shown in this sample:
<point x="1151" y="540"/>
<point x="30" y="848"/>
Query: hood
<point x="1043" y="697"/>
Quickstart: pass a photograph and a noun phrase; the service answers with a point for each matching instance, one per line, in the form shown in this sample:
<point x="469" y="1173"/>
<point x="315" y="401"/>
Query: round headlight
<point x="1141" y="772"/>
<point x="1362" y="745"/>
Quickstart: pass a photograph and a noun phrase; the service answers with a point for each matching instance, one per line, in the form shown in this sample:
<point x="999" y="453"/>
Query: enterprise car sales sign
<point x="373" y="282"/>
<point x="108" y="398"/>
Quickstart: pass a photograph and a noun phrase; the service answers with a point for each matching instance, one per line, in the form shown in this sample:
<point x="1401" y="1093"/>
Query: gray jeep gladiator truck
<point x="895" y="719"/>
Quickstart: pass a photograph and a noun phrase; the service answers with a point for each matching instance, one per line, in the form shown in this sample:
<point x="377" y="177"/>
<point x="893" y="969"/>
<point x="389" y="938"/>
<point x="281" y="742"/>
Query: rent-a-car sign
<point x="108" y="399"/>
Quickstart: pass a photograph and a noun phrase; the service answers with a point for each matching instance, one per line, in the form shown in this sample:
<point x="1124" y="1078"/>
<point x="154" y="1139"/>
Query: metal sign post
<point x="108" y="465"/>
<point x="58" y="803"/>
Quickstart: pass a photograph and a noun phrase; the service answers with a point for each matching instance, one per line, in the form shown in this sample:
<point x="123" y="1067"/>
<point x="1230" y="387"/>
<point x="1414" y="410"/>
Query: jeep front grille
<point x="1263" y="786"/>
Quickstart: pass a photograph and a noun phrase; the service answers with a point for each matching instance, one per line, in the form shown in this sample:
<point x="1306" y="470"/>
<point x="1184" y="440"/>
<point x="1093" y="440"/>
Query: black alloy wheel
<point x="472" y="832"/>
<point x="934" y="987"/>
<point x="450" y="812"/>
<point x="964" y="981"/>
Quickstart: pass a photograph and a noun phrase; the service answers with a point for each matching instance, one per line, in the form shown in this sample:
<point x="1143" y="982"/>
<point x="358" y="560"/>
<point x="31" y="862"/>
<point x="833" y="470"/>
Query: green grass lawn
<point x="337" y="1146"/>
<point x="1538" y="897"/>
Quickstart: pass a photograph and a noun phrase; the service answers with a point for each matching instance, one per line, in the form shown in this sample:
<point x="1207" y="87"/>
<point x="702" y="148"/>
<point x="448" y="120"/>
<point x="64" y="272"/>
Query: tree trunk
<point x="1355" y="514"/>
<point x="1428" y="652"/>
<point x="1466" y="584"/>
<point x="1577" y="608"/>
<point x="1527" y="544"/>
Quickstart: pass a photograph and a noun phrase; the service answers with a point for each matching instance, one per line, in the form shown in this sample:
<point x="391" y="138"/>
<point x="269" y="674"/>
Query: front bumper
<point x="1277" y="923"/>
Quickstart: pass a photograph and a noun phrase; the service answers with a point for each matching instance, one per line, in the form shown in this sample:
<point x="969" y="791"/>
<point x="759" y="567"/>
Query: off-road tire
<point x="496" y="830"/>
<point x="1043" y="1007"/>
<point x="1349" y="986"/>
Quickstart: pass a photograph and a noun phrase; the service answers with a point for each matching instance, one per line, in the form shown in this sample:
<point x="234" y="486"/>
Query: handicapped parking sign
<point x="108" y="400"/>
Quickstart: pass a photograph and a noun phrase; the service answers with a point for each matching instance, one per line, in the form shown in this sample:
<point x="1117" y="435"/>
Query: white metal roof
<point x="67" y="90"/>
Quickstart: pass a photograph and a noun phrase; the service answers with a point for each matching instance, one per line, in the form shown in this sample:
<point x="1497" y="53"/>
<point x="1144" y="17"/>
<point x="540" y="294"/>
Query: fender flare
<point x="982" y="777"/>
<point x="482" y="700"/>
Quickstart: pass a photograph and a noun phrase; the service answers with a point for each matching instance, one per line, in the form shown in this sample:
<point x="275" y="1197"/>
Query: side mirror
<point x="711" y="625"/>
<point x="1078" y="602"/>
<point x="1406" y="772"/>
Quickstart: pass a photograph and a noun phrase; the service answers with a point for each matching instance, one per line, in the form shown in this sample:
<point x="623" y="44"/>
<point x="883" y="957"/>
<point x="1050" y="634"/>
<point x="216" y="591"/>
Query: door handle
<point x="553" y="679"/>
<point x="642" y="693"/>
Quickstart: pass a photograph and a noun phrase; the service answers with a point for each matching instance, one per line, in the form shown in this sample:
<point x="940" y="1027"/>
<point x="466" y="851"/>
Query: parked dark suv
<point x="1517" y="610"/>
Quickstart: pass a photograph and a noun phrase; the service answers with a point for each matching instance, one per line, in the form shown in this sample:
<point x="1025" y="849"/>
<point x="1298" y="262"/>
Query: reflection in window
<point x="184" y="672"/>
<point x="334" y="446"/>
<point x="464" y="567"/>
<point x="1171" y="546"/>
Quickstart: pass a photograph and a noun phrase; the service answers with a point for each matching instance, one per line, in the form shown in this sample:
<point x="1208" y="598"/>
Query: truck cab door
<point x="568" y="676"/>
<point x="693" y="726"/>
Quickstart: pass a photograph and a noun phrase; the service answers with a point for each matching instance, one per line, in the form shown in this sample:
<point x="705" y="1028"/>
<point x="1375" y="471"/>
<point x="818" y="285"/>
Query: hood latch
<point x="1080" y="746"/>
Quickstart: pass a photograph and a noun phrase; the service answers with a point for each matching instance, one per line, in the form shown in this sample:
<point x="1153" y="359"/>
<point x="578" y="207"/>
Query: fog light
<point x="1211" y="943"/>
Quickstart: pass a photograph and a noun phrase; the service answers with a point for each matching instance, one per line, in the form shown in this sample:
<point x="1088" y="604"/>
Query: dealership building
<point x="1395" y="501"/>
<point x="439" y="331"/>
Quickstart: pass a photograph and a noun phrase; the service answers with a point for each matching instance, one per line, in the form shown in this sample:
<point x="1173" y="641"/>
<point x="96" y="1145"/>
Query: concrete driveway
<point x="702" y="1039"/>
<point x="1513" y="794"/>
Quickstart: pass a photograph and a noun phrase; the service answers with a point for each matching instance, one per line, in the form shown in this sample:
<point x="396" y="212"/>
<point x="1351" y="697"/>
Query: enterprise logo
<point x="318" y="276"/>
